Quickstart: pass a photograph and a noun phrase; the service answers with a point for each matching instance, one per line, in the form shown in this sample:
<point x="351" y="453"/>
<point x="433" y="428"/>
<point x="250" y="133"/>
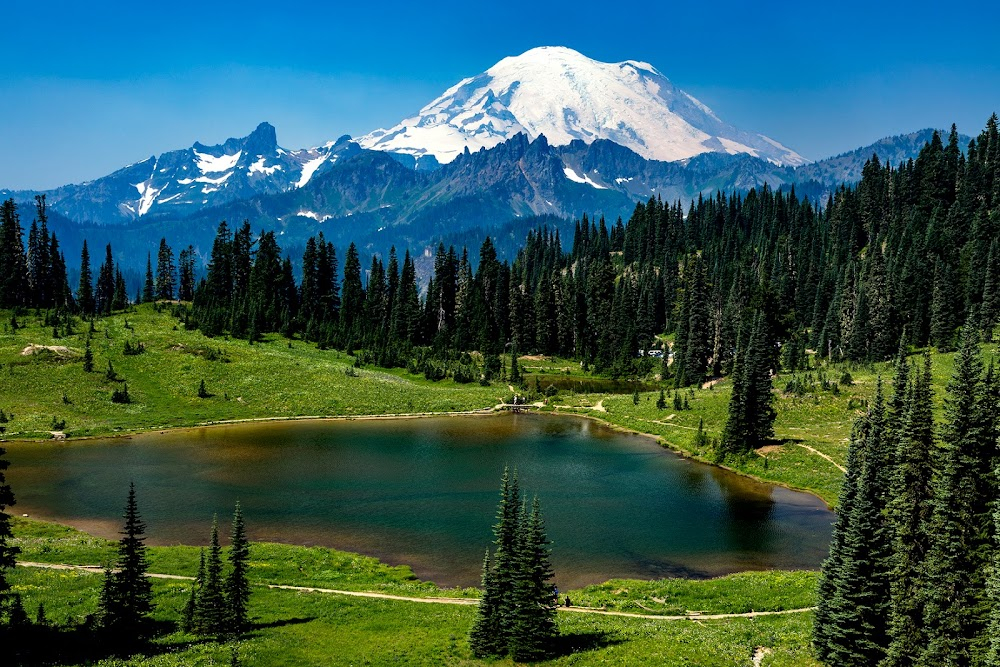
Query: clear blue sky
<point x="86" y="88"/>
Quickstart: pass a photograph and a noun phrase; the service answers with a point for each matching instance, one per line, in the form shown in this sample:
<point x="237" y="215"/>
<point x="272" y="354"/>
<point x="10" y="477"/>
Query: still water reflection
<point x="423" y="492"/>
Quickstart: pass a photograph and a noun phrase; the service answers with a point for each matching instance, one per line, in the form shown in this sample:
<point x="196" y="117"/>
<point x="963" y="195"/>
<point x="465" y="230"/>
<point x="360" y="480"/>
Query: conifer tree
<point x="237" y="583"/>
<point x="8" y="552"/>
<point x="104" y="292"/>
<point x="832" y="605"/>
<point x="189" y="619"/>
<point x="751" y="405"/>
<point x="486" y="636"/>
<point x="533" y="627"/>
<point x="85" y="291"/>
<point x="88" y="358"/>
<point x="860" y="635"/>
<point x="497" y="616"/>
<point x="961" y="523"/>
<point x="165" y="272"/>
<point x="13" y="262"/>
<point x="148" y="286"/>
<point x="127" y="598"/>
<point x="211" y="614"/>
<point x="908" y="513"/>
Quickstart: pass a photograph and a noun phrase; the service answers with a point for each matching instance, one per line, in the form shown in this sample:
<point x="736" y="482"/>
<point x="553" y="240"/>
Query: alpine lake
<point x="423" y="492"/>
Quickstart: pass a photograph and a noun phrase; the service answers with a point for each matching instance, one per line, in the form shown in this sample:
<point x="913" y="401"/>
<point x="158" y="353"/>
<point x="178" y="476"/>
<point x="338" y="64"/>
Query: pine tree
<point x="88" y="358"/>
<point x="8" y="552"/>
<point x="961" y="523"/>
<point x="105" y="290"/>
<point x="165" y="272"/>
<point x="237" y="583"/>
<point x="127" y="597"/>
<point x="85" y="292"/>
<point x="485" y="637"/>
<point x="993" y="591"/>
<point x="533" y="626"/>
<point x="211" y="614"/>
<point x="516" y="613"/>
<point x="13" y="262"/>
<point x="148" y="286"/>
<point x="832" y="604"/>
<point x="860" y="636"/>
<point x="751" y="405"/>
<point x="496" y="617"/>
<point x="189" y="619"/>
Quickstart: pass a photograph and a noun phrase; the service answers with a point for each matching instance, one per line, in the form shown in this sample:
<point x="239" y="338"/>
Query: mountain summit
<point x="562" y="94"/>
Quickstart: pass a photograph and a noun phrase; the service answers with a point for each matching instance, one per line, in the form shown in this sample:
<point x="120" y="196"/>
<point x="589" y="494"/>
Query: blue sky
<point x="86" y="88"/>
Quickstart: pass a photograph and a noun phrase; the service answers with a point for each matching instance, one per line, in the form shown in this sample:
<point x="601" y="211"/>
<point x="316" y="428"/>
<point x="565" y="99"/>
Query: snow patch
<point x="314" y="216"/>
<point x="210" y="164"/>
<point x="258" y="166"/>
<point x="577" y="178"/>
<point x="146" y="201"/>
<point x="309" y="168"/>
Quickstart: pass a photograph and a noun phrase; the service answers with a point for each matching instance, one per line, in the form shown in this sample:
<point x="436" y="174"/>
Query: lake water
<point x="423" y="492"/>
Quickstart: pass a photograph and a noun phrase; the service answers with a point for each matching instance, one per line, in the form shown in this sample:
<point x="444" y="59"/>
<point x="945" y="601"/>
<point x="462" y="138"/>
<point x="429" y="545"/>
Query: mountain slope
<point x="186" y="181"/>
<point x="847" y="167"/>
<point x="565" y="96"/>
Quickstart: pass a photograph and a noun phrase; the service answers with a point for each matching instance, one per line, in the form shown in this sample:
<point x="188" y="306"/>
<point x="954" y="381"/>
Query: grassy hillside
<point x="276" y="378"/>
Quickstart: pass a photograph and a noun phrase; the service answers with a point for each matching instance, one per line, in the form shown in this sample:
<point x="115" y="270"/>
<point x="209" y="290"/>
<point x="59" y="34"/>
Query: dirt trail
<point x="821" y="454"/>
<point x="94" y="569"/>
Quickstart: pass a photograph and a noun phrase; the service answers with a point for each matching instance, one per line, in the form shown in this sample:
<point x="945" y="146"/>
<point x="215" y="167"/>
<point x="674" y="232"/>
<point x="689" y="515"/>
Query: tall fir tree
<point x="8" y="551"/>
<point x="128" y="595"/>
<point x="533" y="628"/>
<point x="832" y="605"/>
<point x="908" y="514"/>
<point x="955" y="610"/>
<point x="85" y="290"/>
<point x="237" y="581"/>
<point x="211" y="615"/>
<point x="751" y="405"/>
<point x="165" y="272"/>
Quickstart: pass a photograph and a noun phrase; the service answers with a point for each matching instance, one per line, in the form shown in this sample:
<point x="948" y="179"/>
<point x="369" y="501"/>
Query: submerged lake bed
<point x="423" y="492"/>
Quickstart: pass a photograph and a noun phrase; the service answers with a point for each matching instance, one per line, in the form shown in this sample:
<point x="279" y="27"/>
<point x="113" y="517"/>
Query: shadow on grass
<point x="280" y="623"/>
<point x="70" y="645"/>
<point x="578" y="642"/>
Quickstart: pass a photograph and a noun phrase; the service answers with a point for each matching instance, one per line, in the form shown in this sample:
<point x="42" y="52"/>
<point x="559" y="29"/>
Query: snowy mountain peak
<point x="560" y="93"/>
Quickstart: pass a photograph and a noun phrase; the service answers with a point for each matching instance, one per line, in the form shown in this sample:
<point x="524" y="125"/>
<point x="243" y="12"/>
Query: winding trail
<point x="819" y="453"/>
<point x="693" y="616"/>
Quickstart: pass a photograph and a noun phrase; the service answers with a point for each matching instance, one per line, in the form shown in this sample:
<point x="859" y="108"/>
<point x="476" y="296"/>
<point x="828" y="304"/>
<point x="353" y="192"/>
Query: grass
<point x="295" y="628"/>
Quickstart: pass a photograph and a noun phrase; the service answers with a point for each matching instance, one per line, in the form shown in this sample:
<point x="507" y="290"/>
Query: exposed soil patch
<point x="59" y="350"/>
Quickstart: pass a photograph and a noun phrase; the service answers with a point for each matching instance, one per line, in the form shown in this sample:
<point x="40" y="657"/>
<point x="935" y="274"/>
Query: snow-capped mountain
<point x="184" y="181"/>
<point x="563" y="95"/>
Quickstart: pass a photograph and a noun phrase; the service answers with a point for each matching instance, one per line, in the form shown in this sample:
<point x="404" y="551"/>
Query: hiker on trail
<point x="555" y="594"/>
<point x="567" y="601"/>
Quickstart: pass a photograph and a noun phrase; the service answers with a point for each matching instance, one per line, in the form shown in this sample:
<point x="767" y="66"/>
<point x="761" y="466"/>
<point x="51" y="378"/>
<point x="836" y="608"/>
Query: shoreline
<point x="583" y="413"/>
